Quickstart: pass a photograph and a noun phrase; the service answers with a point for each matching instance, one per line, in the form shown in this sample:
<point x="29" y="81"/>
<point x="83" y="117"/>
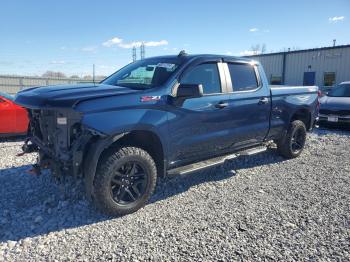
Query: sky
<point x="71" y="36"/>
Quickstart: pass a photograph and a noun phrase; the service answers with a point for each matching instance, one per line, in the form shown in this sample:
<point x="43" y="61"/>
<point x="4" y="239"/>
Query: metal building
<point x="323" y="67"/>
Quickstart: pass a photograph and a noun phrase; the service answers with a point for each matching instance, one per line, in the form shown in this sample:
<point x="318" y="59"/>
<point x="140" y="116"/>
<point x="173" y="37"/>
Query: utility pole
<point x="142" y="51"/>
<point x="134" y="54"/>
<point x="334" y="42"/>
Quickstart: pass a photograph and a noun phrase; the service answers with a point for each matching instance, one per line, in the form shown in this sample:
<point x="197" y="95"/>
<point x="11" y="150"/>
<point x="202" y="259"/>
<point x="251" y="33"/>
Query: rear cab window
<point x="243" y="77"/>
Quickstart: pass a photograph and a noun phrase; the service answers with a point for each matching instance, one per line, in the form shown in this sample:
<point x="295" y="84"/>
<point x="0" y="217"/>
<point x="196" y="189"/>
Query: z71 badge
<point x="149" y="98"/>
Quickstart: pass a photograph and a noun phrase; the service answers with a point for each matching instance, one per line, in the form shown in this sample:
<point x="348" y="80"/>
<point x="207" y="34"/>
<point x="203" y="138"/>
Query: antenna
<point x="93" y="73"/>
<point x="142" y="51"/>
<point x="182" y="53"/>
<point x="133" y="53"/>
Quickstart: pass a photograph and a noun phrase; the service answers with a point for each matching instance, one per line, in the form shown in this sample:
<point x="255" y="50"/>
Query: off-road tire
<point x="284" y="145"/>
<point x="103" y="196"/>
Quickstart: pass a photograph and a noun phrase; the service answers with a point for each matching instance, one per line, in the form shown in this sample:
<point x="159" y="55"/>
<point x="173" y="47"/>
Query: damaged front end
<point x="60" y="140"/>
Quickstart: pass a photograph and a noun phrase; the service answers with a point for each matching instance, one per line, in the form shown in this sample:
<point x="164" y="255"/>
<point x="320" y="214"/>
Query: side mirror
<point x="189" y="91"/>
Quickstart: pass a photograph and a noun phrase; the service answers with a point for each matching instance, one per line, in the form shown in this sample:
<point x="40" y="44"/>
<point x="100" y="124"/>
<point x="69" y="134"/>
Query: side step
<point x="183" y="170"/>
<point x="253" y="151"/>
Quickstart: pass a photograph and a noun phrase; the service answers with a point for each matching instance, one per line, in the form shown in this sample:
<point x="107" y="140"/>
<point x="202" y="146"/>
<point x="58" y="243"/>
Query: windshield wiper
<point x="133" y="86"/>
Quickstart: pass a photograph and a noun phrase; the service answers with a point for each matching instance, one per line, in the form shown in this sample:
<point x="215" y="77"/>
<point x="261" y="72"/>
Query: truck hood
<point x="328" y="102"/>
<point x="66" y="95"/>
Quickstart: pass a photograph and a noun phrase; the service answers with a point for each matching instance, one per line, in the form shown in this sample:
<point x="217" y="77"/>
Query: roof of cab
<point x="187" y="57"/>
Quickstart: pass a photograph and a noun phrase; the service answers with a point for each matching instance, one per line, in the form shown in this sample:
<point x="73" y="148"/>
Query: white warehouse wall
<point x="332" y="59"/>
<point x="272" y="64"/>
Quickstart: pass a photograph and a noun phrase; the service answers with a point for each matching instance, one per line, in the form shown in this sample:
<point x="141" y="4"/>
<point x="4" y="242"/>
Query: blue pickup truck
<point x="162" y="116"/>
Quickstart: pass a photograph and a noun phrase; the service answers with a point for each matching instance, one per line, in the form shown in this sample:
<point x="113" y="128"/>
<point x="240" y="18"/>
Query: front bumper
<point x="333" y="119"/>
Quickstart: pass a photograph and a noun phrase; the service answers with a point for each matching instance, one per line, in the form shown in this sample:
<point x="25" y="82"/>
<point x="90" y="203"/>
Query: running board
<point x="183" y="170"/>
<point x="253" y="151"/>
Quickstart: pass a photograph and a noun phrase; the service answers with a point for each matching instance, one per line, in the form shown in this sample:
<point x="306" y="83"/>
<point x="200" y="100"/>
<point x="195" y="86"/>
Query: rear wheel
<point x="124" y="181"/>
<point x="292" y="143"/>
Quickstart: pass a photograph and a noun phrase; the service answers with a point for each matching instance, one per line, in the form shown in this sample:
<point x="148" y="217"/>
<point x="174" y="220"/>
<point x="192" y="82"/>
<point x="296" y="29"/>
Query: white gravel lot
<point x="255" y="208"/>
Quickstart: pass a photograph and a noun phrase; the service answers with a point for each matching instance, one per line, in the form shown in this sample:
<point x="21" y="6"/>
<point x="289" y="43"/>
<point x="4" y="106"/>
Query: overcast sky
<point x="70" y="36"/>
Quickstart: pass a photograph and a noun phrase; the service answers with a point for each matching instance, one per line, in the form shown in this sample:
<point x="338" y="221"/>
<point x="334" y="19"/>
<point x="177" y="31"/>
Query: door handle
<point x="221" y="105"/>
<point x="263" y="100"/>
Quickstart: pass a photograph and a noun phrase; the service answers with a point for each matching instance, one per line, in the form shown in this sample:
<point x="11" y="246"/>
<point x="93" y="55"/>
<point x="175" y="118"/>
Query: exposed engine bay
<point x="59" y="139"/>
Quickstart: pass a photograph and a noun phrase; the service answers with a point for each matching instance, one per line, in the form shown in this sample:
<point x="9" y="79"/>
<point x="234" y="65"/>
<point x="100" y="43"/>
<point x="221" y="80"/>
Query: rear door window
<point x="243" y="77"/>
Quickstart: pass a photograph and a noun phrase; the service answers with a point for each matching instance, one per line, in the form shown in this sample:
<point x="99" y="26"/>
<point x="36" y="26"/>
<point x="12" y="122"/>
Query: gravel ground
<point x="257" y="208"/>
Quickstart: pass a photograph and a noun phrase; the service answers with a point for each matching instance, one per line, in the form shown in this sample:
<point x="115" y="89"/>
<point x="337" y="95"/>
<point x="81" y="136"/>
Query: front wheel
<point x="292" y="143"/>
<point x="124" y="181"/>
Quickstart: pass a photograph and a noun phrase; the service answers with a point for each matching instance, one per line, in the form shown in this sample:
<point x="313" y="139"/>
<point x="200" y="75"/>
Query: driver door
<point x="199" y="127"/>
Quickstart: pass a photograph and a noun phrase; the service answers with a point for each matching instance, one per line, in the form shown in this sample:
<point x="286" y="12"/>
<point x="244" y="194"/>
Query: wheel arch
<point x="304" y="115"/>
<point x="148" y="140"/>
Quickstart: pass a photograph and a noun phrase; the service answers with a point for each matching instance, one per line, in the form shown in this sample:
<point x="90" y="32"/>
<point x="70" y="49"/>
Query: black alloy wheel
<point x="298" y="140"/>
<point x="129" y="183"/>
<point x="292" y="143"/>
<point x="125" y="180"/>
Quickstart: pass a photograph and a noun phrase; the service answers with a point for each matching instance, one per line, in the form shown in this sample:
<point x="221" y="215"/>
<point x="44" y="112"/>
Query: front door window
<point x="205" y="74"/>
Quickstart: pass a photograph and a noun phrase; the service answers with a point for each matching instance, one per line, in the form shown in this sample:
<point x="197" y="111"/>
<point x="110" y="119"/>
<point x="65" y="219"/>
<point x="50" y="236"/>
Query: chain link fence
<point x="14" y="84"/>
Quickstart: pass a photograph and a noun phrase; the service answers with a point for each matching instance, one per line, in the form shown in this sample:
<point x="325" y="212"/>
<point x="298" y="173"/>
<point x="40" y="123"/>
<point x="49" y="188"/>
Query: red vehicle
<point x="13" y="118"/>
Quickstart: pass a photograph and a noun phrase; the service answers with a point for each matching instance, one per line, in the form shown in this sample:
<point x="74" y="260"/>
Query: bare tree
<point x="101" y="77"/>
<point x="258" y="49"/>
<point x="295" y="48"/>
<point x="87" y="77"/>
<point x="53" y="74"/>
<point x="255" y="49"/>
<point x="74" y="76"/>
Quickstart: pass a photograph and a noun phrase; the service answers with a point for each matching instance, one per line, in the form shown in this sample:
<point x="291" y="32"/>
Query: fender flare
<point x="92" y="158"/>
<point x="309" y="117"/>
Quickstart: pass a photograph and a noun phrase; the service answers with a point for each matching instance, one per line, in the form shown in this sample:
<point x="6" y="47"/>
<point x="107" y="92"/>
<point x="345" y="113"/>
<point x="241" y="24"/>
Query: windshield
<point x="144" y="74"/>
<point x="7" y="96"/>
<point x="340" y="91"/>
